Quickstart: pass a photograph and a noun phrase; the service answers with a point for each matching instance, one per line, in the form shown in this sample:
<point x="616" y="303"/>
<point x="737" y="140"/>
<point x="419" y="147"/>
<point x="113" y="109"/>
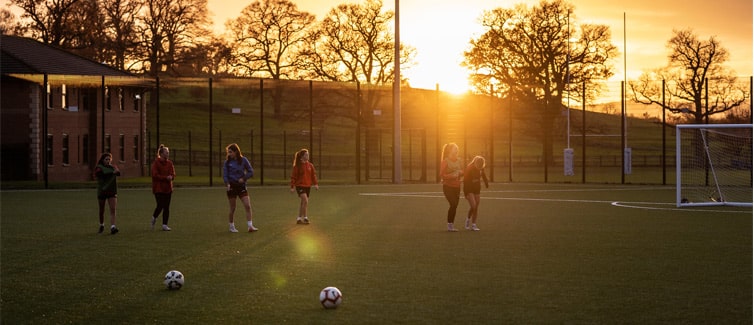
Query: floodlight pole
<point x="397" y="176"/>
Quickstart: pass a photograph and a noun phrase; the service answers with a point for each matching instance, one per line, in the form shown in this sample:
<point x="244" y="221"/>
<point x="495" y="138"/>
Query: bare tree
<point x="267" y="36"/>
<point x="526" y="53"/>
<point x="168" y="29"/>
<point x="119" y="30"/>
<point x="74" y="25"/>
<point x="9" y="23"/>
<point x="353" y="44"/>
<point x="212" y="58"/>
<point x="698" y="85"/>
<point x="50" y="21"/>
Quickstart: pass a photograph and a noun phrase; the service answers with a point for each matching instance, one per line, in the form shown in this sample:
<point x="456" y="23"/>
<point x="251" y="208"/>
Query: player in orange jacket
<point x="303" y="177"/>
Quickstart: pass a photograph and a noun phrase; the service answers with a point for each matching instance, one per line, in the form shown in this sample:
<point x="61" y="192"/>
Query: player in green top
<point x="107" y="189"/>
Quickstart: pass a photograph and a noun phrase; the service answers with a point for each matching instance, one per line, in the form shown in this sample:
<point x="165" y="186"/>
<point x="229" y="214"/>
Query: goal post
<point x="713" y="165"/>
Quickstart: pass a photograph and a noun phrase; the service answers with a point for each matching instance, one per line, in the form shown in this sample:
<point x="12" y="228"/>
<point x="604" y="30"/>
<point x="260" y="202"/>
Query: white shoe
<point x="451" y="228"/>
<point x="233" y="228"/>
<point x="166" y="228"/>
<point x="474" y="227"/>
<point x="253" y="229"/>
<point x="468" y="223"/>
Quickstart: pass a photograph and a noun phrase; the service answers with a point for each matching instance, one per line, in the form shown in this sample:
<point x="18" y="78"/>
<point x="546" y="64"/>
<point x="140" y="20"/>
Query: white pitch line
<point x="625" y="205"/>
<point x="632" y="205"/>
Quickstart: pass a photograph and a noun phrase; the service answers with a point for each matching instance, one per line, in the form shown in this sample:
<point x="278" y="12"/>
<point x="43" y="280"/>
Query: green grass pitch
<point x="546" y="254"/>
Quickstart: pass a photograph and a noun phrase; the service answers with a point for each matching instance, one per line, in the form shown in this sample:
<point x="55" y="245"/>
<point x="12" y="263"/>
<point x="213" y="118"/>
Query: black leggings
<point x="163" y="205"/>
<point x="453" y="194"/>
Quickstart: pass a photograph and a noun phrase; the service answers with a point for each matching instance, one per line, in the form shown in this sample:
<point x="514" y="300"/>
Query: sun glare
<point x="440" y="47"/>
<point x="451" y="79"/>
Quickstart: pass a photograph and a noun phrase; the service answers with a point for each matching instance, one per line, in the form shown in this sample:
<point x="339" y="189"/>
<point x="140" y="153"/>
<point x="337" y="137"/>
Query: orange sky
<point x="440" y="30"/>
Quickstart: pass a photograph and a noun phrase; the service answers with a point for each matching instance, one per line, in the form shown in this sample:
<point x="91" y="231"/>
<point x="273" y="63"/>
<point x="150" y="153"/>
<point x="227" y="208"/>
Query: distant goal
<point x="713" y="165"/>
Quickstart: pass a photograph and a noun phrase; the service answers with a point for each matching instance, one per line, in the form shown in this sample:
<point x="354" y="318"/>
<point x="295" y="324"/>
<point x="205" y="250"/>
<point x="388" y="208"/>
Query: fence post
<point x="438" y="148"/>
<point x="664" y="154"/>
<point x="311" y="118"/>
<point x="492" y="133"/>
<point x="358" y="136"/>
<point x="220" y="145"/>
<point x="583" y="132"/>
<point x="261" y="131"/>
<point x="410" y="154"/>
<point x="285" y="153"/>
<point x="424" y="156"/>
<point x="190" y="154"/>
<point x="210" y="135"/>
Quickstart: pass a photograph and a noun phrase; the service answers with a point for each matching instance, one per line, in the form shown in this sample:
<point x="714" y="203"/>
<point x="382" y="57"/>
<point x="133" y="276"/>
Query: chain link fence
<point x="348" y="128"/>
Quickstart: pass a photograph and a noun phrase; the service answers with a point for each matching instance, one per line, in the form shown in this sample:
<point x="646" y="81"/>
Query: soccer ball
<point x="174" y="280"/>
<point x="330" y="297"/>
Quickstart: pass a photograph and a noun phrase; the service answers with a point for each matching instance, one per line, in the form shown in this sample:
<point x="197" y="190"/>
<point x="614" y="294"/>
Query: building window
<point x="122" y="147"/>
<point x="107" y="143"/>
<point x="65" y="150"/>
<point x="121" y="100"/>
<point x="85" y="149"/>
<point x="137" y="102"/>
<point x="136" y="147"/>
<point x="48" y="152"/>
<point x="108" y="100"/>
<point x="63" y="97"/>
<point x="49" y="96"/>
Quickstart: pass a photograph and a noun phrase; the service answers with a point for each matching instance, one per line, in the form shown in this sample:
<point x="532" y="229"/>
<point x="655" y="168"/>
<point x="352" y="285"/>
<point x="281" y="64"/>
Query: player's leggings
<point x="453" y="194"/>
<point x="163" y="205"/>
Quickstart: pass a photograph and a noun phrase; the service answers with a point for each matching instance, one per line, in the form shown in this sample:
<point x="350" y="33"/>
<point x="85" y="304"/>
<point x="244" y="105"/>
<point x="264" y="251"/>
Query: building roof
<point x="30" y="60"/>
<point x="27" y="56"/>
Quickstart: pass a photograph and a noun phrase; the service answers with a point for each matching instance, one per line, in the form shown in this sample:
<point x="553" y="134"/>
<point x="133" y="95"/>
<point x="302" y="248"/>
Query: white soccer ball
<point x="330" y="297"/>
<point x="174" y="280"/>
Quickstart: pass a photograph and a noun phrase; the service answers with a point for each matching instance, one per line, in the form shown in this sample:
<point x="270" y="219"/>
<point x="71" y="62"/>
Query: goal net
<point x="713" y="164"/>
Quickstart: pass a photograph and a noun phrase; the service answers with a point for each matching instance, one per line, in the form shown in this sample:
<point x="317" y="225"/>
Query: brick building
<point x="60" y="111"/>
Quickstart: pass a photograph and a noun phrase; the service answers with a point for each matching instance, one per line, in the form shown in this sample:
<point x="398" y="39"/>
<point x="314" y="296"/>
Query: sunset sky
<point x="440" y="30"/>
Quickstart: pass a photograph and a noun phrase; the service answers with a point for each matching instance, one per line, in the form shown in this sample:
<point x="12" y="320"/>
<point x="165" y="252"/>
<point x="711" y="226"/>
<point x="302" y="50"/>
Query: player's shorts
<point x="303" y="189"/>
<point x="472" y="190"/>
<point x="106" y="195"/>
<point x="237" y="190"/>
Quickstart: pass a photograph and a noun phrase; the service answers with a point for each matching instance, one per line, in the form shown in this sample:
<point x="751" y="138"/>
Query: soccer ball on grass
<point x="330" y="297"/>
<point x="174" y="280"/>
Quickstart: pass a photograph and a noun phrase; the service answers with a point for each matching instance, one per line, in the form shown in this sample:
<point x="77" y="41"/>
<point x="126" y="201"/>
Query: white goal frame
<point x="718" y="194"/>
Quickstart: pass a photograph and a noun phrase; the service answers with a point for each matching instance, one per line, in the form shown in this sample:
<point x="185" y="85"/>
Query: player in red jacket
<point x="303" y="177"/>
<point x="163" y="174"/>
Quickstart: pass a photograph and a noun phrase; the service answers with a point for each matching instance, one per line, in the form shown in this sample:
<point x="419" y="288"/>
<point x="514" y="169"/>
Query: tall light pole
<point x="397" y="165"/>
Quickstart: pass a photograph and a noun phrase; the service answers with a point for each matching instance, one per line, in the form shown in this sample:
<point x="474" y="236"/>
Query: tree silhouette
<point x="698" y="85"/>
<point x="52" y="22"/>
<point x="168" y="29"/>
<point x="266" y="38"/>
<point x="119" y="30"/>
<point x="353" y="43"/>
<point x="9" y="24"/>
<point x="535" y="55"/>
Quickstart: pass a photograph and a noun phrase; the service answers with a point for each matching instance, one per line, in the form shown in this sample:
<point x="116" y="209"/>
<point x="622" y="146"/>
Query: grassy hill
<point x="429" y="119"/>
